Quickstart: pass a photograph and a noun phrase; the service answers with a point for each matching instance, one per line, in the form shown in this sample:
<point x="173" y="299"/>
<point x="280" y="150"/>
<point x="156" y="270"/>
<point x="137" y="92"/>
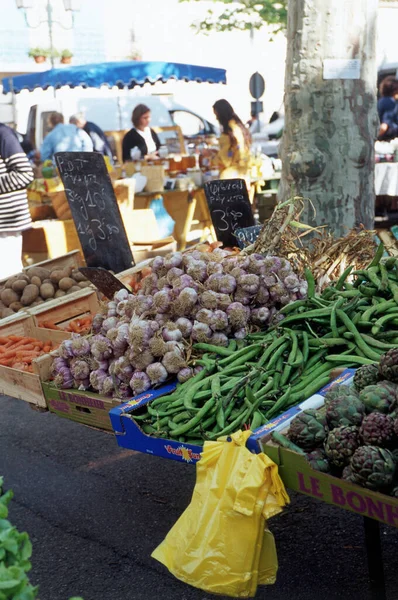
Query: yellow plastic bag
<point x="221" y="544"/>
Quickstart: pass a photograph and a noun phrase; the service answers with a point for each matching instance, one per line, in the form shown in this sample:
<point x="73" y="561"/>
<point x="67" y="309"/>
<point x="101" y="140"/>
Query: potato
<point x="66" y="283"/>
<point x="59" y="294"/>
<point x="6" y="312"/>
<point x="30" y="294"/>
<point x="16" y="306"/>
<point x="35" y="280"/>
<point x="74" y="288"/>
<point x="57" y="275"/>
<point x="38" y="272"/>
<point x="9" y="296"/>
<point x="47" y="290"/>
<point x="9" y="283"/>
<point x="19" y="285"/>
<point x="46" y="280"/>
<point x="84" y="284"/>
<point x="77" y="276"/>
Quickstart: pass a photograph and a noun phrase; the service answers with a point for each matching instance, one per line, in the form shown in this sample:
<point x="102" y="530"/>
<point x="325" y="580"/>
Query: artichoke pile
<point x="355" y="436"/>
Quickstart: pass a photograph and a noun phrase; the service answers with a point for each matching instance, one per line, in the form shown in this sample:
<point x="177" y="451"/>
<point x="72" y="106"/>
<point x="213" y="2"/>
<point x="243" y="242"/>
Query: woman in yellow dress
<point x="233" y="156"/>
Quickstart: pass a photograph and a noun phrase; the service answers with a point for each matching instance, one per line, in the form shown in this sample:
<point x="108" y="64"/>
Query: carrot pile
<point x="80" y="325"/>
<point x="18" y="351"/>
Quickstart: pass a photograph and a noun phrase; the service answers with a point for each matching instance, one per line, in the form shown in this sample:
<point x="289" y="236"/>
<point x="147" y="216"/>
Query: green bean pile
<point x="348" y="325"/>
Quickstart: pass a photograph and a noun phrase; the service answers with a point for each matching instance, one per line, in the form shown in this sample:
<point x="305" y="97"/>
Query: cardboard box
<point x="297" y="474"/>
<point x="86" y="408"/>
<point x="130" y="435"/>
<point x="155" y="177"/>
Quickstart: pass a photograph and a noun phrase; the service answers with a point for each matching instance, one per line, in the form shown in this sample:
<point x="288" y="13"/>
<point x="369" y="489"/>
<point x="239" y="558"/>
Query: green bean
<point x="235" y="425"/>
<point x="310" y="314"/>
<point x="264" y="391"/>
<point x="252" y="350"/>
<point x="271" y="349"/>
<point x="311" y="283"/>
<point x="378" y="308"/>
<point x="378" y="256"/>
<point x="196" y="419"/>
<point x="382" y="321"/>
<point x="358" y="338"/>
<point x="257" y="420"/>
<point x="306" y="349"/>
<point x="384" y="277"/>
<point x="341" y="280"/>
<point x="220" y="416"/>
<point x="311" y="388"/>
<point x="279" y="404"/>
<point x="214" y="349"/>
<point x="352" y="359"/>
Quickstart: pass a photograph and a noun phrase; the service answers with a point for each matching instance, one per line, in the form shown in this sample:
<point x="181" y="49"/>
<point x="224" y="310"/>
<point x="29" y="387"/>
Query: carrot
<point x="4" y="340"/>
<point x="50" y="325"/>
<point x="16" y="338"/>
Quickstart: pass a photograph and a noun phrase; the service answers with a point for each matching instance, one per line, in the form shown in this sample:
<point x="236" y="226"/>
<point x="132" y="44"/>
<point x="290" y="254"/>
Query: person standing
<point x="64" y="138"/>
<point x="234" y="155"/>
<point x="15" y="175"/>
<point x="141" y="136"/>
<point x="387" y="108"/>
<point x="98" y="137"/>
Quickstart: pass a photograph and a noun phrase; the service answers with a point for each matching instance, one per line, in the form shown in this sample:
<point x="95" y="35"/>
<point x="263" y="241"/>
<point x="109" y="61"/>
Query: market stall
<point x="213" y="342"/>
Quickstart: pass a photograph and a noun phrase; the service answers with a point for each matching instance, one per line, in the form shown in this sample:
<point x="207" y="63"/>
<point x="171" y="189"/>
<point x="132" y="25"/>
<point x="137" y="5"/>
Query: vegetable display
<point x="204" y="297"/>
<point x="19" y="352"/>
<point x="289" y="362"/>
<point x="363" y="450"/>
<point x="38" y="285"/>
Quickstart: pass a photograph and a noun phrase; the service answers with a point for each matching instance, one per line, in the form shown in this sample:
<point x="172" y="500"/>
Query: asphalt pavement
<point x="95" y="512"/>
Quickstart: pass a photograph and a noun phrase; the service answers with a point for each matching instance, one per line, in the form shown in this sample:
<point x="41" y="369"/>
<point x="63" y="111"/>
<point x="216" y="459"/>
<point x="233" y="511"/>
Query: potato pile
<point x="38" y="285"/>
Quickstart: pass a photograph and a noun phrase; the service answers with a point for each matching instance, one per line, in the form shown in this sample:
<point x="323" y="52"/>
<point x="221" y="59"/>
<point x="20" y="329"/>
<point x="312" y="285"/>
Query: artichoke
<point x="388" y="365"/>
<point x="348" y="475"/>
<point x="338" y="391"/>
<point x="307" y="430"/>
<point x="318" y="460"/>
<point x="345" y="410"/>
<point x="380" y="397"/>
<point x="394" y="492"/>
<point x="341" y="444"/>
<point x="373" y="467"/>
<point x="366" y="375"/>
<point x="377" y="429"/>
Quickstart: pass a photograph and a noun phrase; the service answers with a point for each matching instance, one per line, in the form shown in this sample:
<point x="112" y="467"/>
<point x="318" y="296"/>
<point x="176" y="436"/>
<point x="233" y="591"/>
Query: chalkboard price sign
<point x="248" y="235"/>
<point x="95" y="210"/>
<point x="229" y="208"/>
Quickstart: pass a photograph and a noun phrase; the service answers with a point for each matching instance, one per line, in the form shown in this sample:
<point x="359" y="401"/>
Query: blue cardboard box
<point x="130" y="435"/>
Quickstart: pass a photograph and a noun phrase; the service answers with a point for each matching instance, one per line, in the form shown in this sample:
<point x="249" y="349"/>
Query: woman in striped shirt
<point x="15" y="175"/>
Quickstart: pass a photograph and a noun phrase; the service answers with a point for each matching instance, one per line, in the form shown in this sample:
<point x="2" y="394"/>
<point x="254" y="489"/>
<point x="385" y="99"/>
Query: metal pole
<point x="375" y="559"/>
<point x="50" y="31"/>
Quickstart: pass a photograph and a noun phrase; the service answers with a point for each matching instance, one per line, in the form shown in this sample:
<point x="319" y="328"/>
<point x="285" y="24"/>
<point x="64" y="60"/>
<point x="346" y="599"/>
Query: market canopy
<point x="121" y="74"/>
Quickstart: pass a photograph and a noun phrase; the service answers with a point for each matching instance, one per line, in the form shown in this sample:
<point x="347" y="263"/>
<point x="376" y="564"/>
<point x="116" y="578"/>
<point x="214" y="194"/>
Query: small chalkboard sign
<point x="103" y="280"/>
<point x="248" y="235"/>
<point x="229" y="207"/>
<point x="95" y="210"/>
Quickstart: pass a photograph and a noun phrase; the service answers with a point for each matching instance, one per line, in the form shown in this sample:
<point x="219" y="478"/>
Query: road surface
<point x="95" y="512"/>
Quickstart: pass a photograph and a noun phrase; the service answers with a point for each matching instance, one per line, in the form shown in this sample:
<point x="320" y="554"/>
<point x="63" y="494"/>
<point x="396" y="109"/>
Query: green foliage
<point x="15" y="552"/>
<point x="46" y="52"/>
<point x="243" y="15"/>
<point x="66" y="53"/>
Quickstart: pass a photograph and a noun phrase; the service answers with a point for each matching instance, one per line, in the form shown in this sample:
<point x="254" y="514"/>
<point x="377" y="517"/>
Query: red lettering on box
<point x="337" y="495"/>
<point x="392" y="515"/>
<point x="375" y="509"/>
<point x="302" y="486"/>
<point x="315" y="487"/>
<point x="356" y="502"/>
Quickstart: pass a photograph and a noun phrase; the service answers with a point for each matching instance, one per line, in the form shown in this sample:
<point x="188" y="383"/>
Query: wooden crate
<point x="71" y="259"/>
<point x="63" y="310"/>
<point x="25" y="386"/>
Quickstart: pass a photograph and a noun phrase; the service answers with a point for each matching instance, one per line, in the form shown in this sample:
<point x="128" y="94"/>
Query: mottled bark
<point x="330" y="125"/>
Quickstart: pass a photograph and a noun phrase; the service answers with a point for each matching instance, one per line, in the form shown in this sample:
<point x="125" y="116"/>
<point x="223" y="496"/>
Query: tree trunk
<point x="330" y="125"/>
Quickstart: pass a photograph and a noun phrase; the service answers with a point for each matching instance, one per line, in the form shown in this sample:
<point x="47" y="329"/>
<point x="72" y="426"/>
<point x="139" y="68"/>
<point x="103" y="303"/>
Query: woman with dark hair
<point x="387" y="108"/>
<point x="141" y="136"/>
<point x="233" y="156"/>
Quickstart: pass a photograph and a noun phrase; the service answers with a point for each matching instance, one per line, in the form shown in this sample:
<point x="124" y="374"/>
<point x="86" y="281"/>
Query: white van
<point x="113" y="113"/>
